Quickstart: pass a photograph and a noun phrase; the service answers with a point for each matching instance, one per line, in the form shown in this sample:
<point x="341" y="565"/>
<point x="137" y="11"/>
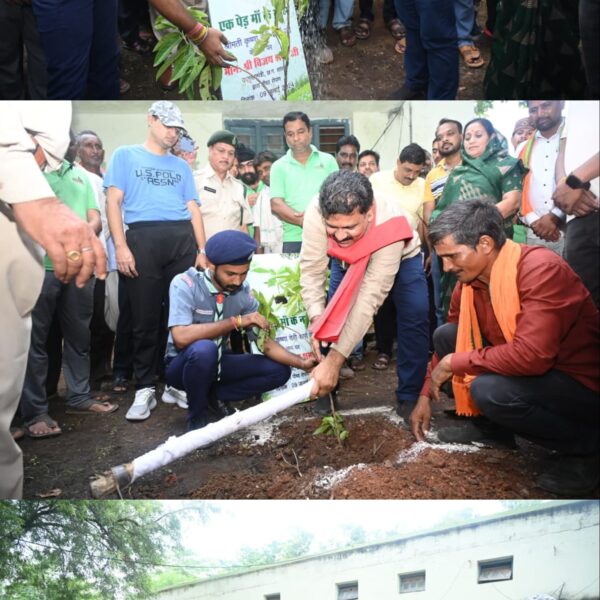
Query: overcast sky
<point x="256" y="523"/>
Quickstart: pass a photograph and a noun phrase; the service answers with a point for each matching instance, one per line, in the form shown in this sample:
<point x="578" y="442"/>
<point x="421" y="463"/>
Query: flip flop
<point x="381" y="363"/>
<point x="396" y="28"/>
<point x="362" y="29"/>
<point x="400" y="45"/>
<point x="347" y="37"/>
<point x="86" y="408"/>
<point x="53" y="428"/>
<point x="471" y="57"/>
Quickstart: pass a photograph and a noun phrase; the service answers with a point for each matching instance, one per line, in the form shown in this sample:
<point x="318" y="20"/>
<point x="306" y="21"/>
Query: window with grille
<point x="412" y="582"/>
<point x="498" y="569"/>
<point x="262" y="134"/>
<point x="347" y="591"/>
<point x="273" y="597"/>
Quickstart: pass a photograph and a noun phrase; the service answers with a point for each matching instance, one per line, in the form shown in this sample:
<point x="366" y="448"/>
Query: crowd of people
<point x="498" y="244"/>
<point x="542" y="49"/>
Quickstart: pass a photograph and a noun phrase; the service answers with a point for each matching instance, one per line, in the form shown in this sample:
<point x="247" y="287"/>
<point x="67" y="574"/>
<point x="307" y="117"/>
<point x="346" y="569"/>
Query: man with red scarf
<point x="371" y="241"/>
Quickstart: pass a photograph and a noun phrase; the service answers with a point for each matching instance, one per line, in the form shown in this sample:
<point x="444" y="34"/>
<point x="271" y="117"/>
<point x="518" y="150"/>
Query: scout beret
<point x="227" y="137"/>
<point x="167" y="113"/>
<point x="243" y="153"/>
<point x="230" y="247"/>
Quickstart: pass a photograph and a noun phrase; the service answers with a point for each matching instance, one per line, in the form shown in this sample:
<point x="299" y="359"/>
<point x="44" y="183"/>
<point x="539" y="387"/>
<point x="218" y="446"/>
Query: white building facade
<point x="552" y="550"/>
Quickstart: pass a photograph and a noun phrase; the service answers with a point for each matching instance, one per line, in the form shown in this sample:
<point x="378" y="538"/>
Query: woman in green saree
<point x="535" y="53"/>
<point x="487" y="171"/>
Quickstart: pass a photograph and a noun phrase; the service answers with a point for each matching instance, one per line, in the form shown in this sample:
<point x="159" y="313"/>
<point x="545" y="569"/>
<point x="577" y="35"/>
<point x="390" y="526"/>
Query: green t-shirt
<point x="73" y="188"/>
<point x="297" y="184"/>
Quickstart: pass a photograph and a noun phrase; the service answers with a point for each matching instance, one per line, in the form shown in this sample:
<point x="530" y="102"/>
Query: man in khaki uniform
<point x="221" y="195"/>
<point x="31" y="139"/>
<point x="341" y="217"/>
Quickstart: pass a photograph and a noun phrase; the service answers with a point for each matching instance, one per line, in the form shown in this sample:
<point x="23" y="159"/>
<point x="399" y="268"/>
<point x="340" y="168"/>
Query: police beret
<point x="244" y="154"/>
<point x="230" y="247"/>
<point x="167" y="113"/>
<point x="222" y="136"/>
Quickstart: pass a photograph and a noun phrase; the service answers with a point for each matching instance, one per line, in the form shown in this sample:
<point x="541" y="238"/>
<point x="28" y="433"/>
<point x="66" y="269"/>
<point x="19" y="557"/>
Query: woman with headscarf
<point x="487" y="171"/>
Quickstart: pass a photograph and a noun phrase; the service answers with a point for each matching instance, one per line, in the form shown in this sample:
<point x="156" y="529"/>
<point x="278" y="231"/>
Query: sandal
<point x="49" y="427"/>
<point x="347" y="37"/>
<point x="139" y="46"/>
<point x="356" y="364"/>
<point x="400" y="45"/>
<point x="17" y="433"/>
<point x="119" y="385"/>
<point x="87" y="408"/>
<point x="362" y="29"/>
<point x="381" y="362"/>
<point x="396" y="28"/>
<point x="471" y="56"/>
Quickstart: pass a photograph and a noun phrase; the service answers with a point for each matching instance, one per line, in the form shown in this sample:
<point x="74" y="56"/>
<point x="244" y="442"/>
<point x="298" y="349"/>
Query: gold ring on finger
<point x="73" y="255"/>
<point x="86" y="249"/>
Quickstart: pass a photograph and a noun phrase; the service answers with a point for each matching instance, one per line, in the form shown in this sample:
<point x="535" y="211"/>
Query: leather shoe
<point x="219" y="408"/>
<point x="573" y="476"/>
<point x="198" y="422"/>
<point x="478" y="430"/>
<point x="406" y="93"/>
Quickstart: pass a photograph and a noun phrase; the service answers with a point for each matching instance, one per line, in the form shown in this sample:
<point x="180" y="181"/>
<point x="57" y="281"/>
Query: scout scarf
<point x="219" y="300"/>
<point x="328" y="326"/>
<point x="506" y="306"/>
<point x="525" y="156"/>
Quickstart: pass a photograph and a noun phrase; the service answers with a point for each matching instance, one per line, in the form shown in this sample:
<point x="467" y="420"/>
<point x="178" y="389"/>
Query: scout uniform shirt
<point x="191" y="303"/>
<point x="222" y="202"/>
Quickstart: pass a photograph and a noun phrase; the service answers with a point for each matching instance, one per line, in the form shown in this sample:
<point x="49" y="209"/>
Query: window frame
<point x="497" y="563"/>
<point x="346" y="585"/>
<point x="422" y="572"/>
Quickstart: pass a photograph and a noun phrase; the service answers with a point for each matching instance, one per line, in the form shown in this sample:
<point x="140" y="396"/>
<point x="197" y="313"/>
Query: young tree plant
<point x="333" y="424"/>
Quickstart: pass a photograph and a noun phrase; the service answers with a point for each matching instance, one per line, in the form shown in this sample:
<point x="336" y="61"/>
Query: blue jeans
<point x="342" y="13"/>
<point x="465" y="17"/>
<point x="194" y="370"/>
<point x="431" y="59"/>
<point x="80" y="41"/>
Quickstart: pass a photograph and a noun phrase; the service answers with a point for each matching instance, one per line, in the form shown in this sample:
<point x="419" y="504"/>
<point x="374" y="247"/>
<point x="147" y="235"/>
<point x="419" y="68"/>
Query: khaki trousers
<point x="21" y="277"/>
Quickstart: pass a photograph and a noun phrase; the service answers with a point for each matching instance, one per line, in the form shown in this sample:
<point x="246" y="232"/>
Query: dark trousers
<point x="102" y="339"/>
<point x="366" y="10"/>
<point x="161" y="251"/>
<point x="589" y="17"/>
<point x="582" y="248"/>
<point x="80" y="41"/>
<point x="123" y="356"/>
<point x="18" y="32"/>
<point x="431" y="59"/>
<point x="411" y="307"/>
<point x="242" y="375"/>
<point x="385" y="327"/>
<point x="552" y="410"/>
<point x="132" y="14"/>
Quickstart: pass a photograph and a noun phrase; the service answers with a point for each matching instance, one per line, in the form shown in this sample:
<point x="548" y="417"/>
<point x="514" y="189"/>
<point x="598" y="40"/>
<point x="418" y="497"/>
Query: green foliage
<point x="332" y="424"/>
<point x="277" y="551"/>
<point x="82" y="550"/>
<point x="265" y="308"/>
<point x="287" y="281"/>
<point x="482" y="107"/>
<point x="192" y="72"/>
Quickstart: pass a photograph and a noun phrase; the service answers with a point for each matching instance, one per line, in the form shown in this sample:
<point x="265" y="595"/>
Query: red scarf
<point x="329" y="325"/>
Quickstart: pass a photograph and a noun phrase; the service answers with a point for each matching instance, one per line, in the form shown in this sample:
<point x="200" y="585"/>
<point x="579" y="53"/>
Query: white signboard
<point x="293" y="334"/>
<point x="238" y="21"/>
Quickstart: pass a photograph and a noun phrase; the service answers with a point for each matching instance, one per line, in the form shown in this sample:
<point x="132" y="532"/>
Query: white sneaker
<point x="172" y="395"/>
<point x="145" y="401"/>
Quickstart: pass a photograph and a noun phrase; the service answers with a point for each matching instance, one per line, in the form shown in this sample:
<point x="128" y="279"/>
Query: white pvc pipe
<point x="176" y="447"/>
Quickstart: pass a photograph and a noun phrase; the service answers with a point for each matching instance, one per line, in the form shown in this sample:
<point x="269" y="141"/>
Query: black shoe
<point x="219" y="408"/>
<point x="198" y="422"/>
<point x="322" y="405"/>
<point x="406" y="93"/>
<point x="404" y="410"/>
<point x="572" y="476"/>
<point x="478" y="430"/>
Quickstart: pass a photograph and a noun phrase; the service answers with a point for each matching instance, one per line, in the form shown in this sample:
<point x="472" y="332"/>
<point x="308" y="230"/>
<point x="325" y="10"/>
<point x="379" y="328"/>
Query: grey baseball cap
<point x="168" y="114"/>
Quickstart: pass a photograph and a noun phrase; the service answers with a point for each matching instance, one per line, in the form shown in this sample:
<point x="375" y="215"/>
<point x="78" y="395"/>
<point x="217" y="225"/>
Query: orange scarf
<point x="506" y="306"/>
<point x="329" y="325"/>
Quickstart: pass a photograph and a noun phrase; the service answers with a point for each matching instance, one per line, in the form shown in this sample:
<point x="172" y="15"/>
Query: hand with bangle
<point x="211" y="42"/>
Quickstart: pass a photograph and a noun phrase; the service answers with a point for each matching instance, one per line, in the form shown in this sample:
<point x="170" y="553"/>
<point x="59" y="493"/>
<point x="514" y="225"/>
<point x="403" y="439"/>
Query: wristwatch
<point x="576" y="184"/>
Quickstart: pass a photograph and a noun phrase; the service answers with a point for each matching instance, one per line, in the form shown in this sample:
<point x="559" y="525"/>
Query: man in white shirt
<point x="539" y="154"/>
<point x="221" y="195"/>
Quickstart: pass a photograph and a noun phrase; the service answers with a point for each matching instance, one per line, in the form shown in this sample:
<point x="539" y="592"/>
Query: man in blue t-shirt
<point x="205" y="308"/>
<point x="152" y="192"/>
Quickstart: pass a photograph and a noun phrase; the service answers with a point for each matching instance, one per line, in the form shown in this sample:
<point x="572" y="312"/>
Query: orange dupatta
<point x="506" y="306"/>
